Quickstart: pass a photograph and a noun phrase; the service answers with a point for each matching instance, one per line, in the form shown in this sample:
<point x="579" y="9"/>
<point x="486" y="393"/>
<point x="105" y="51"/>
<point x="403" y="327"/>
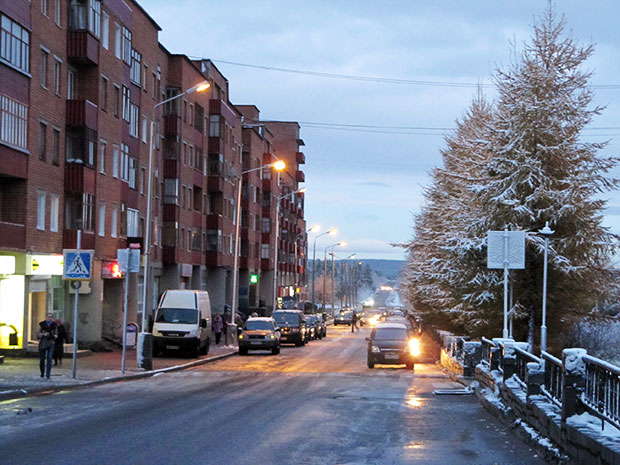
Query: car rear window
<point x="391" y="333"/>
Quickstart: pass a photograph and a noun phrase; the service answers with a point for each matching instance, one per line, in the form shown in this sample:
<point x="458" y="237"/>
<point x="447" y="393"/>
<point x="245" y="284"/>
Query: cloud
<point x="373" y="184"/>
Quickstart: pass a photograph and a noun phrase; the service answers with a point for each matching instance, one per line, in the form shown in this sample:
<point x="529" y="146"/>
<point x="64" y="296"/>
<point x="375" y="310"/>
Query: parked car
<point x="343" y="318"/>
<point x="259" y="333"/>
<point x="292" y="326"/>
<point x="390" y="343"/>
<point x="321" y="325"/>
<point x="183" y="322"/>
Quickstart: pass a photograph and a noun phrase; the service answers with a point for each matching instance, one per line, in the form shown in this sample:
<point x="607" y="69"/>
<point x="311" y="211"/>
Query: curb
<point x="19" y="393"/>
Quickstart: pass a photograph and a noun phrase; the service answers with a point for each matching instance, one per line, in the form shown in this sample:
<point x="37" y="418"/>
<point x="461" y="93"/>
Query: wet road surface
<point x="317" y="404"/>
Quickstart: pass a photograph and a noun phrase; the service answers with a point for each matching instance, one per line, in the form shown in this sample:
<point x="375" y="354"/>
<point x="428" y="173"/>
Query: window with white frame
<point x="126" y="103"/>
<point x="115" y="160"/>
<point x="132" y="222"/>
<point x="105" y="30"/>
<point x="124" y="162"/>
<point x="102" y="149"/>
<point x="101" y="219"/>
<point x="264" y="251"/>
<point x="133" y="172"/>
<point x="94" y="17"/>
<point x="58" y="12"/>
<point x="117" y="40"/>
<point x="44" y="61"/>
<point x="171" y="191"/>
<point x="14" y="44"/>
<point x="126" y="48"/>
<point x="41" y="210"/>
<point x="44" y="7"/>
<point x="136" y="67"/>
<point x="134" y="120"/>
<point x="71" y="77"/>
<point x="113" y="220"/>
<point x="145" y="124"/>
<point x="54" y="207"/>
<point x="13" y="122"/>
<point x="57" y="71"/>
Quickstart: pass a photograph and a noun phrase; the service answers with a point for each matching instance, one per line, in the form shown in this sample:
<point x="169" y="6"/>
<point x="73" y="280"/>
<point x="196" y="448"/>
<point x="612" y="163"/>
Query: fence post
<point x="573" y="381"/>
<point x="472" y="353"/>
<point x="509" y="359"/>
<point x="535" y="377"/>
<point x="495" y="356"/>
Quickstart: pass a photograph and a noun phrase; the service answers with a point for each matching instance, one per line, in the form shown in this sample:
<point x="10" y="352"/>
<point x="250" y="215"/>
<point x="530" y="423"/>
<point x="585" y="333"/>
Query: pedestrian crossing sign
<point x="78" y="265"/>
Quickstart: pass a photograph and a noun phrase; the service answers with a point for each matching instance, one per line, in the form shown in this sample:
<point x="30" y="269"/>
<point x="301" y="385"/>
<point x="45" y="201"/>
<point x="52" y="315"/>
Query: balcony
<point x="220" y="107"/>
<point x="171" y="169"/>
<point x="172" y="125"/>
<point x="300" y="158"/>
<point x="12" y="236"/>
<point x="215" y="221"/>
<point x="215" y="183"/>
<point x="216" y="145"/>
<point x="266" y="264"/>
<point x="169" y="255"/>
<point x="300" y="176"/>
<point x="70" y="239"/>
<point x="13" y="163"/>
<point x="82" y="48"/>
<point x="79" y="178"/>
<point x="171" y="212"/>
<point x="82" y="113"/>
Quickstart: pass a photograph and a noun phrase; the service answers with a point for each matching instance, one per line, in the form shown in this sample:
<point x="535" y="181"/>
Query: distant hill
<point x="389" y="268"/>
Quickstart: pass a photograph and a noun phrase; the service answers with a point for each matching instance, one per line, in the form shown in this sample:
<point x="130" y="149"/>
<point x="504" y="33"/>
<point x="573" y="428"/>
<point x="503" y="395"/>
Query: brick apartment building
<point x="79" y="85"/>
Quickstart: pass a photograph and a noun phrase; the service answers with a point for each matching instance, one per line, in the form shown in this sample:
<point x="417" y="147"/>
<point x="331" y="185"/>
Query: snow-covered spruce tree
<point x="542" y="171"/>
<point x="447" y="251"/>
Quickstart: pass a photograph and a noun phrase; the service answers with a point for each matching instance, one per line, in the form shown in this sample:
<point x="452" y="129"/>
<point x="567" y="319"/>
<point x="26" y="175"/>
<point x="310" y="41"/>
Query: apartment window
<point x="57" y="71"/>
<point x="42" y="140"/>
<point x="189" y="240"/>
<point x="264" y="251"/>
<point x="44" y="7"/>
<point x="126" y="50"/>
<point x="102" y="148"/>
<point x="154" y="86"/>
<point x="132" y="222"/>
<point x="214" y="126"/>
<point x="142" y="179"/>
<point x="171" y="191"/>
<point x="71" y="77"/>
<point x="58" y="12"/>
<point x="145" y="123"/>
<point x="13" y="122"/>
<point x="117" y="100"/>
<point x="94" y="17"/>
<point x="54" y="207"/>
<point x="214" y="240"/>
<point x="105" y="30"/>
<point x="113" y="219"/>
<point x="133" y="172"/>
<point x="104" y="94"/>
<point x="101" y="220"/>
<point x="56" y="146"/>
<point x="191" y="114"/>
<point x="134" y="121"/>
<point x="117" y="40"/>
<point x="124" y="164"/>
<point x="136" y="67"/>
<point x="79" y="211"/>
<point x="198" y="117"/>
<point x="126" y="103"/>
<point x="44" y="60"/>
<point x="14" y="44"/>
<point x="145" y="76"/>
<point x="41" y="210"/>
<point x="185" y="111"/>
<point x="115" y="160"/>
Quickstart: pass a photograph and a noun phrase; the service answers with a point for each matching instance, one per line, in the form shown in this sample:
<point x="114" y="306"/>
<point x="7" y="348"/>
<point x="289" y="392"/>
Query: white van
<point x="183" y="322"/>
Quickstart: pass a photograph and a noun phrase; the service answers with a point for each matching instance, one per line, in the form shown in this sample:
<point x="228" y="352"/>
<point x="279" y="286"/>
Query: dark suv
<point x="389" y="343"/>
<point x="292" y="326"/>
<point x="259" y="334"/>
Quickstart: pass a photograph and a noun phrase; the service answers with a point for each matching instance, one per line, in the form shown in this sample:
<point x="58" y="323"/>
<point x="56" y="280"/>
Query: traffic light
<point x="253" y="279"/>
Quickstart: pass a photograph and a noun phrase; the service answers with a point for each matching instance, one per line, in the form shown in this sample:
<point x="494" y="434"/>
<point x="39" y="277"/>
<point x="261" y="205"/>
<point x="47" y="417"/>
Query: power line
<point x="353" y="77"/>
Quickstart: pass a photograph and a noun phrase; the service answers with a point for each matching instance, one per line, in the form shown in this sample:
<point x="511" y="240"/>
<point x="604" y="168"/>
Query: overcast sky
<point x="368" y="182"/>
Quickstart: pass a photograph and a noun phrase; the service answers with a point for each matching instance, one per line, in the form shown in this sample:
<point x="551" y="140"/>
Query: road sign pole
<point x="506" y="263"/>
<point x="125" y="313"/>
<point x="75" y="313"/>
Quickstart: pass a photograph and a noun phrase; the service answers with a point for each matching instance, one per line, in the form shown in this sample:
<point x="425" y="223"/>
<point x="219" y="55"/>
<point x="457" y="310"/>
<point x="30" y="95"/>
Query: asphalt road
<point x="317" y="404"/>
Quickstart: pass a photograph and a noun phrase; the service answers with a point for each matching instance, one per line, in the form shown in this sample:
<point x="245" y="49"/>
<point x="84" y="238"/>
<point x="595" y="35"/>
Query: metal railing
<point x="602" y="389"/>
<point x="552" y="386"/>
<point x="522" y="358"/>
<point x="487" y="345"/>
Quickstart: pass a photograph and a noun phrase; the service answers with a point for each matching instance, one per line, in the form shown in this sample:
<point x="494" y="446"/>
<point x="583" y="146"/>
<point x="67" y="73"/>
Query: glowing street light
<point x="331" y="232"/>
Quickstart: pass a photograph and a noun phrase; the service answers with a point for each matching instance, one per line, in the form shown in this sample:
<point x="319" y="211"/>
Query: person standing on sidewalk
<point x="218" y="325"/>
<point x="59" y="343"/>
<point x="354" y="321"/>
<point x="47" y="335"/>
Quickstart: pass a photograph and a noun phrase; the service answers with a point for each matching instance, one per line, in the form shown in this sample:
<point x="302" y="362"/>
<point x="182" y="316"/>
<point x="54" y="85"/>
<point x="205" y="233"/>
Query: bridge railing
<point x="554" y="377"/>
<point x="522" y="358"/>
<point x="487" y="345"/>
<point x="601" y="394"/>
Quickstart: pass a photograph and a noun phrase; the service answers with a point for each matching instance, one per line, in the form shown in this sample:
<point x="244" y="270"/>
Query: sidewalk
<point x="20" y="376"/>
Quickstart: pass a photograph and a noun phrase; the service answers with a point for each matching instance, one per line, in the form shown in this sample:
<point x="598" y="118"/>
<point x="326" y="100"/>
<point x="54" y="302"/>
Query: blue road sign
<point x="78" y="264"/>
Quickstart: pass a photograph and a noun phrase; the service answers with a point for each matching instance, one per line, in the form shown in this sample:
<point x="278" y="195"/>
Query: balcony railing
<point x="82" y="48"/>
<point x="82" y="113"/>
<point x="12" y="235"/>
<point x="602" y="389"/>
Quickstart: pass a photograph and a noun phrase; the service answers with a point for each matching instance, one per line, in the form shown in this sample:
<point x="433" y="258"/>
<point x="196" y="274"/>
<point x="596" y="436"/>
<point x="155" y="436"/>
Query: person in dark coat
<point x="354" y="322"/>
<point x="47" y="335"/>
<point x="218" y="326"/>
<point x="59" y="343"/>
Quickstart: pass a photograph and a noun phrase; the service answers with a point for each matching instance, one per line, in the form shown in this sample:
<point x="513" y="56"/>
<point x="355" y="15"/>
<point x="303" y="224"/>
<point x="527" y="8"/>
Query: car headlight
<point x="414" y="347"/>
<point x="271" y="336"/>
<point x="375" y="349"/>
<point x="240" y="336"/>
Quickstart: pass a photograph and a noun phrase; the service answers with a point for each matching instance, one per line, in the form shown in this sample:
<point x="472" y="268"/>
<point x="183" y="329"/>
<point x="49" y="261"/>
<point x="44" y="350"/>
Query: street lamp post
<point x="278" y="166"/>
<point x="315" y="228"/>
<point x="331" y="232"/>
<point x="546" y="232"/>
<point x="342" y="243"/>
<point x="144" y="353"/>
<point x="275" y="265"/>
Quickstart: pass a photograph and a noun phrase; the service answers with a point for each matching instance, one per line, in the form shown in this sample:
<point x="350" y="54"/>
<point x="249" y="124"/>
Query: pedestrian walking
<point x="59" y="342"/>
<point x="354" y="322"/>
<point x="218" y="326"/>
<point x="46" y="336"/>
